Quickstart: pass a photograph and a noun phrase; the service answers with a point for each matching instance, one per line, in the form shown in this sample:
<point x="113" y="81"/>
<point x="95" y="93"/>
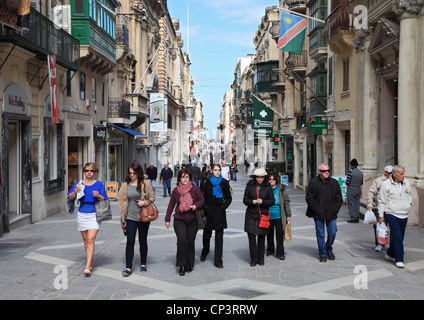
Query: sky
<point x="220" y="32"/>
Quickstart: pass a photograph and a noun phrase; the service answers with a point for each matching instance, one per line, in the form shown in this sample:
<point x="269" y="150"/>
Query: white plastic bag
<point x="369" y="217"/>
<point x="382" y="233"/>
<point x="82" y="187"/>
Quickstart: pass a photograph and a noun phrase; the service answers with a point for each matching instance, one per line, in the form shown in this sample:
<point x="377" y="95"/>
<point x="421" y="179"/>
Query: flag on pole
<point x="53" y="88"/>
<point x="292" y="33"/>
<point x="263" y="119"/>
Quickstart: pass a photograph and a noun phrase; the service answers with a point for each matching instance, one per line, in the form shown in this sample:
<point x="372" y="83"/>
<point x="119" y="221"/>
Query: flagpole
<point x="300" y="15"/>
<point x="268" y="106"/>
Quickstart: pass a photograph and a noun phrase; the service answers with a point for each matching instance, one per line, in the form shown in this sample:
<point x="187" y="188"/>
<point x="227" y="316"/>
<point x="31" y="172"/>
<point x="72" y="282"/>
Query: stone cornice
<point x="409" y="6"/>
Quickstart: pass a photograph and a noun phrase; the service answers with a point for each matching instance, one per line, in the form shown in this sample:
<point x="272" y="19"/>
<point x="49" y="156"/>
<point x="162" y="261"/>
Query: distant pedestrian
<point x="88" y="192"/>
<point x="258" y="197"/>
<point x="225" y="171"/>
<point x="233" y="170"/>
<point x="246" y="165"/>
<point x="324" y="199"/>
<point x="395" y="200"/>
<point x="217" y="199"/>
<point x="205" y="175"/>
<point x="372" y="201"/>
<point x="152" y="174"/>
<point x="135" y="192"/>
<point x="197" y="174"/>
<point x="354" y="181"/>
<point x="279" y="216"/>
<point x="186" y="198"/>
<point x="166" y="175"/>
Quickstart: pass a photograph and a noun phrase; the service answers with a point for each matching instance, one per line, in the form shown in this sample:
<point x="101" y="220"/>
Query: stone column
<point x="368" y="102"/>
<point x="409" y="90"/>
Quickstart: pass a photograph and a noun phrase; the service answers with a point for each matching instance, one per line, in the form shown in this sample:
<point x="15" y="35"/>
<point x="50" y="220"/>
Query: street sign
<point x="318" y="126"/>
<point x="276" y="139"/>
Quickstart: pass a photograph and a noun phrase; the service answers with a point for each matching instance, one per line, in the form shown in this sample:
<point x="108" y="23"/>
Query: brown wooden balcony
<point x="337" y="21"/>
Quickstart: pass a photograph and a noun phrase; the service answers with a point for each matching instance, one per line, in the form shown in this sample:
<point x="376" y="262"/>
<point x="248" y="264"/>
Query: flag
<point x="53" y="88"/>
<point x="292" y="33"/>
<point x="263" y="119"/>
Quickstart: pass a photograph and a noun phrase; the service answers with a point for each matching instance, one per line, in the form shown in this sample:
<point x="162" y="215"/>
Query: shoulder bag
<point x="149" y="213"/>
<point x="103" y="211"/>
<point x="201" y="218"/>
<point x="264" y="219"/>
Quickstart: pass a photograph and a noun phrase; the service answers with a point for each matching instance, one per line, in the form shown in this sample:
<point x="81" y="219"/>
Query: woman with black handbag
<point x="135" y="193"/>
<point x="217" y="200"/>
<point x="258" y="197"/>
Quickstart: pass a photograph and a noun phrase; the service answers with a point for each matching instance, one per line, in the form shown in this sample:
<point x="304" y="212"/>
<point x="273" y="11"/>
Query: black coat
<point x="252" y="217"/>
<point x="324" y="199"/>
<point x="215" y="208"/>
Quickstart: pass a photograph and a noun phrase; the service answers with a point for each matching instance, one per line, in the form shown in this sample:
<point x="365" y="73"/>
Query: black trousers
<point x="186" y="232"/>
<point x="143" y="229"/>
<point x="257" y="249"/>
<point x="219" y="243"/>
<point x="276" y="224"/>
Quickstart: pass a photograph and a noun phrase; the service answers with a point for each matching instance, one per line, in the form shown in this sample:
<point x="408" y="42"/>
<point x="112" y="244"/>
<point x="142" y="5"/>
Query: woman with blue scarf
<point x="217" y="200"/>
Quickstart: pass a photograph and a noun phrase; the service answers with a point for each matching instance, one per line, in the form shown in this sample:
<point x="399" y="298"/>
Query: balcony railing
<point x="119" y="108"/>
<point x="43" y="38"/>
<point x="122" y="37"/>
<point x="337" y="21"/>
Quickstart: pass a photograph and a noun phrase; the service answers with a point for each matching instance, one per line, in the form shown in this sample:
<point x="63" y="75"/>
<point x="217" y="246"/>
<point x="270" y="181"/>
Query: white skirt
<point x="87" y="221"/>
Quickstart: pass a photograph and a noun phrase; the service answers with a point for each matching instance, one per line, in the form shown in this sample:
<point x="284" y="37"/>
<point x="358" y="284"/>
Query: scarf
<point x="185" y="197"/>
<point x="216" y="191"/>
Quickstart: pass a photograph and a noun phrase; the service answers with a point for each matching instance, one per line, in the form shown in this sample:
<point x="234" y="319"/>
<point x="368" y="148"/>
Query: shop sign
<point x="15" y="99"/>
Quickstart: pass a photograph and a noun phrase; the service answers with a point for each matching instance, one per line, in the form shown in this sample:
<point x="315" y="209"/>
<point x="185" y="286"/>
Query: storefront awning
<point x="129" y="131"/>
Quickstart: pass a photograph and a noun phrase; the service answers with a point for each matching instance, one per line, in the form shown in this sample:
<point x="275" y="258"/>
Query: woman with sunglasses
<point x="258" y="197"/>
<point x="135" y="192"/>
<point x="88" y="192"/>
<point x="279" y="216"/>
<point x="186" y="198"/>
<point x="217" y="200"/>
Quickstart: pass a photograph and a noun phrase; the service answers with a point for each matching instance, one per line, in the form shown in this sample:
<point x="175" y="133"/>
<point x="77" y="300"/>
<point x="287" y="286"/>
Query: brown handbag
<point x="149" y="213"/>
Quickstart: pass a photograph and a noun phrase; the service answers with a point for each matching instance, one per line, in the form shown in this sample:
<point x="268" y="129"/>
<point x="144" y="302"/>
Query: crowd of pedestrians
<point x="207" y="193"/>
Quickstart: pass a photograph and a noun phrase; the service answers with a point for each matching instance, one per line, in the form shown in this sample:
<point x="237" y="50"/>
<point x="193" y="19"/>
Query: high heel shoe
<point x="182" y="271"/>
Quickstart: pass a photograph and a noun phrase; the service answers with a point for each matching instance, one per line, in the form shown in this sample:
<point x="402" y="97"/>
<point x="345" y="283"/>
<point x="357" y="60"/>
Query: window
<point x="79" y="6"/>
<point x="54" y="162"/>
<point x="93" y="90"/>
<point x="82" y="85"/>
<point x="346" y="74"/>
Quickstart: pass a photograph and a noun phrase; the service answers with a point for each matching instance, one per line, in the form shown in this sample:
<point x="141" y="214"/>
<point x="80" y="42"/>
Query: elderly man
<point x="395" y="201"/>
<point x="324" y="199"/>
<point x="372" y="200"/>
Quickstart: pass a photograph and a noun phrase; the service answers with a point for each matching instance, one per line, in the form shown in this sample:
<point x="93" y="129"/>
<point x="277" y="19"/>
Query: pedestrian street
<point x="34" y="256"/>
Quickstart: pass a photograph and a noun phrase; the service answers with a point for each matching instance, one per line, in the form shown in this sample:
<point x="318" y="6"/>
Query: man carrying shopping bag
<point x="394" y="204"/>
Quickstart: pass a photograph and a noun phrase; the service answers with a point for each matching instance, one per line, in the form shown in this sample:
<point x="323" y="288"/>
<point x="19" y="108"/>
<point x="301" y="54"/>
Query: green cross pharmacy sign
<point x="318" y="126"/>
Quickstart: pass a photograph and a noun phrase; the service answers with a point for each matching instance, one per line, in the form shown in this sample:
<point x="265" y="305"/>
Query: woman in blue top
<point x="280" y="215"/>
<point x="88" y="192"/>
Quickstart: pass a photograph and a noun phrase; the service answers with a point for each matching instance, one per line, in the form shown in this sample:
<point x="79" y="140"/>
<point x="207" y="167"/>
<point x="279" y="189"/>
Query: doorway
<point x="14" y="170"/>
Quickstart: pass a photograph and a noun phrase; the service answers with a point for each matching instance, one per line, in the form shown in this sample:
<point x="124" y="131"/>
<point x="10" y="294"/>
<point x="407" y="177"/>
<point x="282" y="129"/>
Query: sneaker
<point x="143" y="269"/>
<point x="126" y="273"/>
<point x="399" y="264"/>
<point x="378" y="248"/>
<point x="387" y="257"/>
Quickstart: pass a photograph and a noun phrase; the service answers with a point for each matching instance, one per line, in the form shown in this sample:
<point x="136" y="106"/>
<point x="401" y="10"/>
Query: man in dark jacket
<point x="324" y="199"/>
<point x="152" y="174"/>
<point x="197" y="174"/>
<point x="166" y="175"/>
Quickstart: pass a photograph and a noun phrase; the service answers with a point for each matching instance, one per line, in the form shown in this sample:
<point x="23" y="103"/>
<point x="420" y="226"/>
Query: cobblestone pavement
<point x="46" y="260"/>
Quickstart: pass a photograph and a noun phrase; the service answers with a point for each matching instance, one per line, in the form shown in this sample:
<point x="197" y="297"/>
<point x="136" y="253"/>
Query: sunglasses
<point x="131" y="173"/>
<point x="89" y="170"/>
<point x="324" y="170"/>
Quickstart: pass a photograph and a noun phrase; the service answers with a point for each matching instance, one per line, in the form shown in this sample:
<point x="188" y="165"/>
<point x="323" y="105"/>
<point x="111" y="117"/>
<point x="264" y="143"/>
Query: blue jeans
<point x="153" y="182"/>
<point x="323" y="246"/>
<point x="166" y="185"/>
<point x="397" y="233"/>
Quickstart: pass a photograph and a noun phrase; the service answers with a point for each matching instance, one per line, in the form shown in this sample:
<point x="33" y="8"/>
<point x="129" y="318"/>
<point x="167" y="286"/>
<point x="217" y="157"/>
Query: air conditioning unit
<point x="62" y="17"/>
